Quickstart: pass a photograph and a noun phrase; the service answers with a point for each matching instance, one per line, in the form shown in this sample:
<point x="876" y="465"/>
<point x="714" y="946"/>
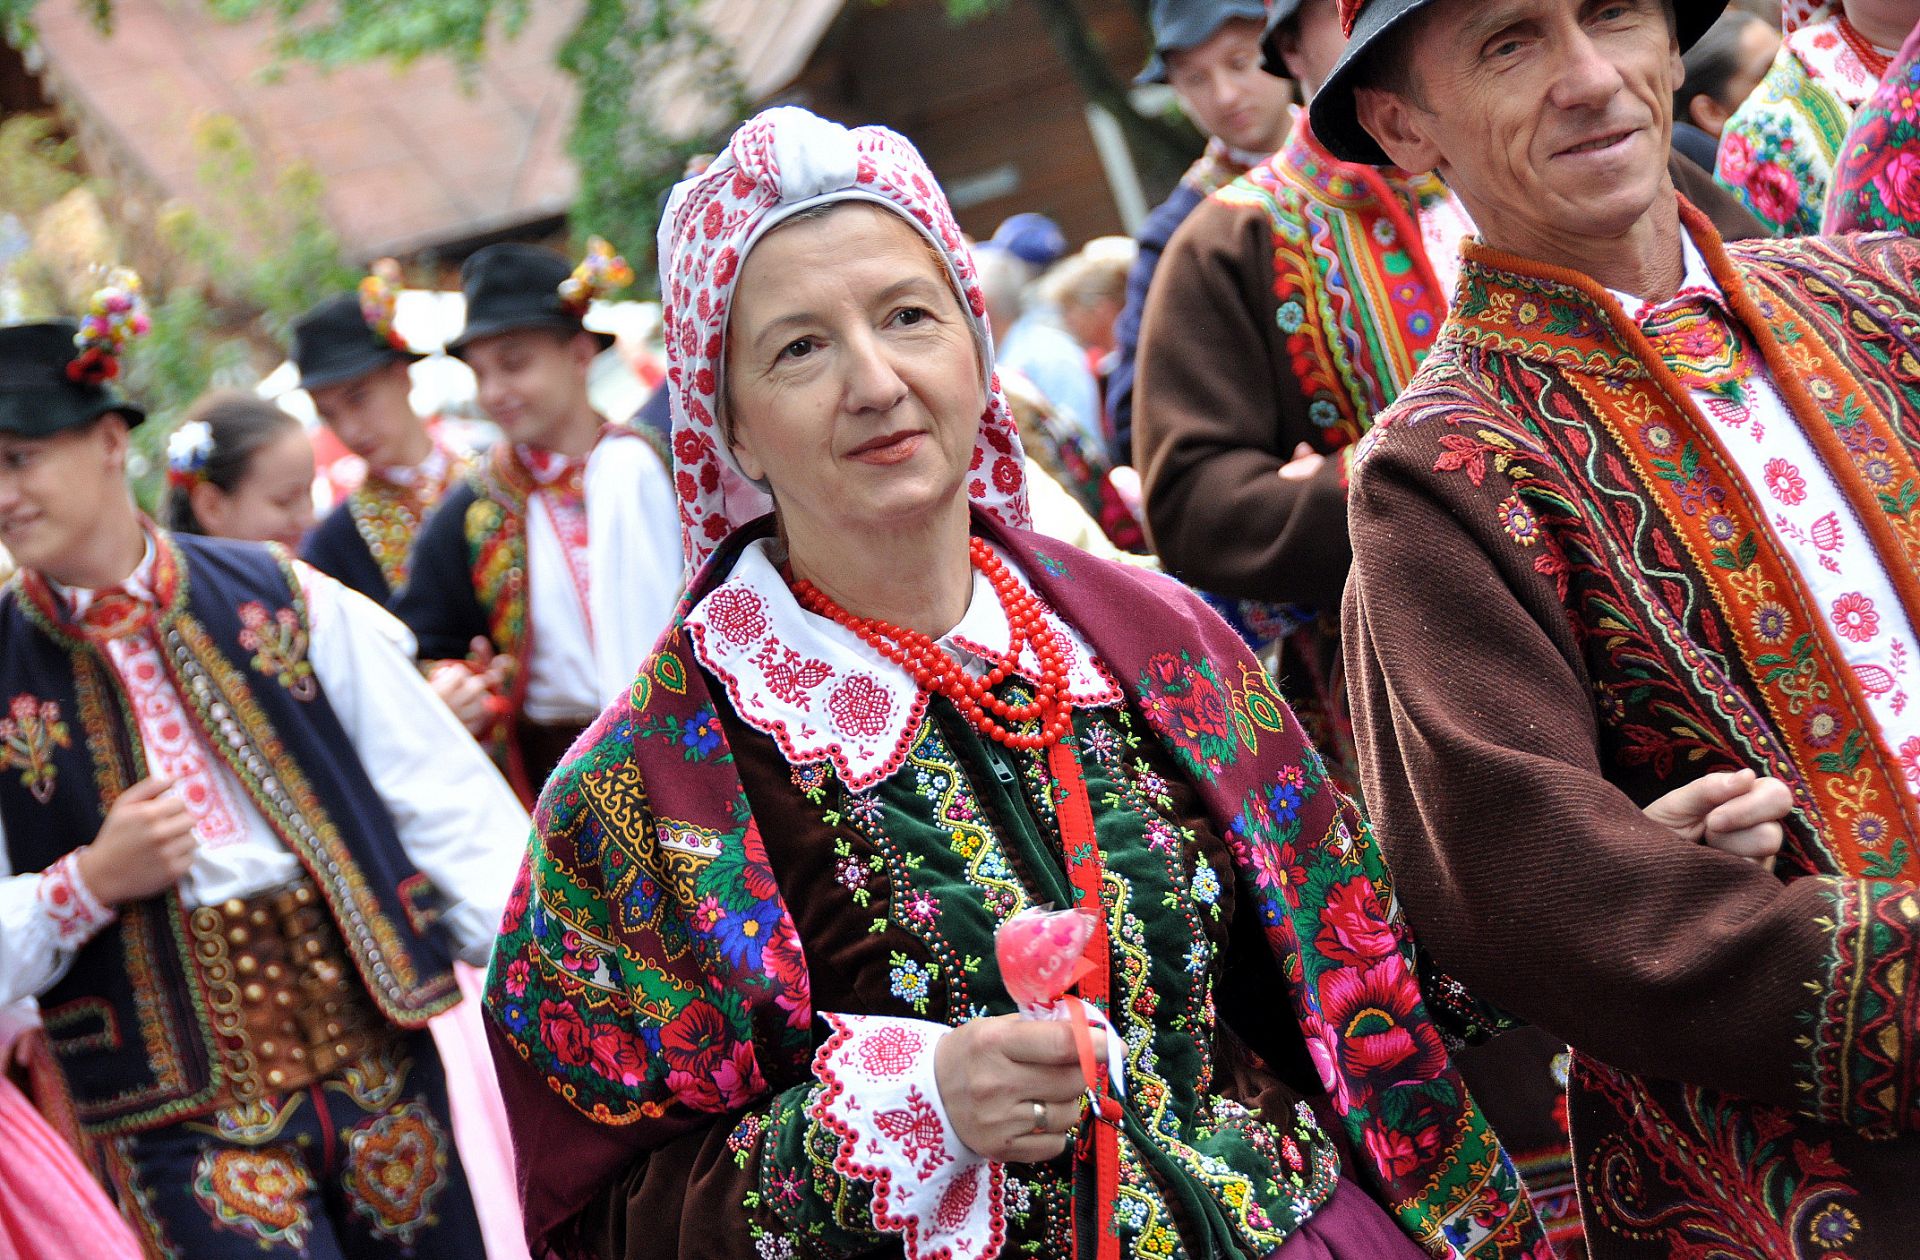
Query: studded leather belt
<point x="288" y="1007"/>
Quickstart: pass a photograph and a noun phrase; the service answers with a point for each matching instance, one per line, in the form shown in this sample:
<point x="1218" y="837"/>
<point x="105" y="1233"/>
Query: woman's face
<point x="853" y="385"/>
<point x="272" y="503"/>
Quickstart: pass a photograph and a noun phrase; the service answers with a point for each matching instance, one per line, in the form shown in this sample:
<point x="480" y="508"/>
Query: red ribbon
<point x="1077" y="837"/>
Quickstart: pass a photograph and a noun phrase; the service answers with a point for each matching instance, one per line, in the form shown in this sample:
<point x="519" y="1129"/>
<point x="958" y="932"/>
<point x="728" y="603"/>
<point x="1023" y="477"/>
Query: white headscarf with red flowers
<point x="781" y="162"/>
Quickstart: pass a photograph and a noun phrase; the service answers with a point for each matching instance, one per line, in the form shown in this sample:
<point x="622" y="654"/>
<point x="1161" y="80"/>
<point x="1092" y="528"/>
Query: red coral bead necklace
<point x="934" y="671"/>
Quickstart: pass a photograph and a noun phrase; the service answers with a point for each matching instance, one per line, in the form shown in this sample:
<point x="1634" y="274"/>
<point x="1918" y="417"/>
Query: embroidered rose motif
<point x="278" y="641"/>
<point x="1775" y="191"/>
<point x="1854" y="617"/>
<point x="1785" y="483"/>
<point x="1910" y="760"/>
<point x="860" y="707"/>
<point x="29" y="734"/>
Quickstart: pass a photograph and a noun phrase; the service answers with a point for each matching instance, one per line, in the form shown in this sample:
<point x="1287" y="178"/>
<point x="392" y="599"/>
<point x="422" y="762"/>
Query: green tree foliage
<point x="629" y="57"/>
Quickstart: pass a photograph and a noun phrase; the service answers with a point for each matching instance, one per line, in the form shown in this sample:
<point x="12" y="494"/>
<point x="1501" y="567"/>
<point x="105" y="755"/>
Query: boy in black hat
<point x="353" y="364"/>
<point x="561" y="552"/>
<point x="1208" y="51"/>
<point x="242" y="867"/>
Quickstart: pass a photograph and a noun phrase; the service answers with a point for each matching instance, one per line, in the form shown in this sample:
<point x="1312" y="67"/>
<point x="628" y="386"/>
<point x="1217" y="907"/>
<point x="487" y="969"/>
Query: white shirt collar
<point x="138" y="584"/>
<point x="1696" y="281"/>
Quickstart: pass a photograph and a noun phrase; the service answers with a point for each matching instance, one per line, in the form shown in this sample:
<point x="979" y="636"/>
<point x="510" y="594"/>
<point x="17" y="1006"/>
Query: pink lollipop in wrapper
<point x="1042" y="952"/>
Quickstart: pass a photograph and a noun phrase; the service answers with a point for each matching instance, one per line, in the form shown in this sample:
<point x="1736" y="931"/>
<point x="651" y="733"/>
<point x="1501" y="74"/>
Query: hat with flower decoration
<point x="54" y="375"/>
<point x="513" y="286"/>
<point x="1369" y="23"/>
<point x="351" y="334"/>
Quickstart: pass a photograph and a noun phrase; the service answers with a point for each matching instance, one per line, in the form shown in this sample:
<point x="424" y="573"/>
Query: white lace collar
<point x="822" y="693"/>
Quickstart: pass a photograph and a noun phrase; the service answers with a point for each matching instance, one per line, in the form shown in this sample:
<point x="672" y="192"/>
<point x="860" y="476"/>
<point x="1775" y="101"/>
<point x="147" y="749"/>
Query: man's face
<point x="371" y="414"/>
<point x="1550" y="118"/>
<point x="532" y="382"/>
<point x="52" y="489"/>
<point x="1226" y="93"/>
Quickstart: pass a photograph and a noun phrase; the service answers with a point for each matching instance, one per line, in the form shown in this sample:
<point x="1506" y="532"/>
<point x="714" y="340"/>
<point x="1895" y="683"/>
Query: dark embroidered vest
<point x="132" y="1020"/>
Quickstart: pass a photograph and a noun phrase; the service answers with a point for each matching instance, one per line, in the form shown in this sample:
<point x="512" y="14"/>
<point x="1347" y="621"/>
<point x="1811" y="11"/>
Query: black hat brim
<point x="1335" y="118"/>
<point x="493" y="328"/>
<point x="1278" y="16"/>
<point x="352" y="367"/>
<point x="43" y="413"/>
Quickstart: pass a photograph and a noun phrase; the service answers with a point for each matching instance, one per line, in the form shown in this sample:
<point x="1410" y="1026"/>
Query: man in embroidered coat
<point x="1779" y="148"/>
<point x="1209" y="53"/>
<point x="552" y="568"/>
<point x="1651" y="508"/>
<point x="1293" y="305"/>
<point x="240" y="843"/>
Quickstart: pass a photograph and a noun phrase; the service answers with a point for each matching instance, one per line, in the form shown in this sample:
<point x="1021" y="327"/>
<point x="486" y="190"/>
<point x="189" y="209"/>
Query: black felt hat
<point x="512" y="286"/>
<point x="333" y="342"/>
<point x="1336" y="121"/>
<point x="37" y="396"/>
<point x="1182" y="24"/>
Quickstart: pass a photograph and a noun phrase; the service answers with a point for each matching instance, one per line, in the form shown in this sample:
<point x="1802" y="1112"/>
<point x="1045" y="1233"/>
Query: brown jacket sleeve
<point x="1217" y="411"/>
<point x="1538" y="884"/>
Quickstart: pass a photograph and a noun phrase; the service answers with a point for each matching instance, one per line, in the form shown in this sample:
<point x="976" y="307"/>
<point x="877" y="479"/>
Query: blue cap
<point x="1032" y="238"/>
<point x="1182" y="24"/>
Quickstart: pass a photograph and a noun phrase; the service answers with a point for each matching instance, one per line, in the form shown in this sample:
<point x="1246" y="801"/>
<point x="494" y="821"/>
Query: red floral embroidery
<point x="957" y="1201"/>
<point x="860" y="706"/>
<point x="789" y="675"/>
<point x="891" y="1050"/>
<point x="1854" y="617"/>
<point x="917" y="1127"/>
<point x="1827" y="533"/>
<point x="737" y="615"/>
<point x="29" y="733"/>
<point x="1785" y="483"/>
<point x="76" y="914"/>
<point x="278" y="641"/>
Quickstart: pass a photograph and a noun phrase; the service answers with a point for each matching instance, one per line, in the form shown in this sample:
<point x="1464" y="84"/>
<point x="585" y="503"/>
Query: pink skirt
<point x="51" y="1208"/>
<point x="479" y="1119"/>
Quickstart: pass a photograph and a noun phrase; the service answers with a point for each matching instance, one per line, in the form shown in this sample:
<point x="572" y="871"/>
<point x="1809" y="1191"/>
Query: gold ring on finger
<point x="1039" y="1118"/>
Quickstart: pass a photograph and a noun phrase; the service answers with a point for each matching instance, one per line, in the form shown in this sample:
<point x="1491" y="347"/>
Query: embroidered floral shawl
<point x="635" y="829"/>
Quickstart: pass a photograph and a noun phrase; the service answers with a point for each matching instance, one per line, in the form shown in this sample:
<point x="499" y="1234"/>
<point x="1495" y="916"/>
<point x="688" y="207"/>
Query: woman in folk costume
<point x="889" y="720"/>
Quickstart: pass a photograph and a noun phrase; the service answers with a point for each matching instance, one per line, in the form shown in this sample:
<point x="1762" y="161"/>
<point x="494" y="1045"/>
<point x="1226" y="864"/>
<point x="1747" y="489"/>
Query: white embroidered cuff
<point x="76" y="914"/>
<point x="882" y="1102"/>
